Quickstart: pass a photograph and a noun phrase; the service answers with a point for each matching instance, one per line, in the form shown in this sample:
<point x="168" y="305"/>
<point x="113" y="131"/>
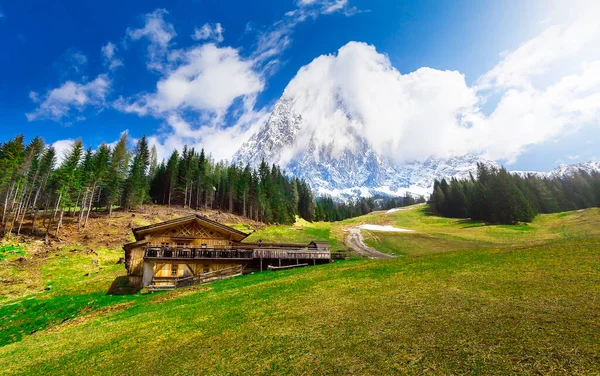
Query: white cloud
<point x="208" y="31"/>
<point x="530" y="116"/>
<point x="73" y="63"/>
<point x="78" y="58"/>
<point x="159" y="33"/>
<point x="358" y="91"/>
<point x="109" y="57"/>
<point x="61" y="148"/>
<point x="537" y="55"/>
<point x="435" y="113"/>
<point x="329" y="6"/>
<point x="220" y="142"/>
<point x="209" y="78"/>
<point x="57" y="103"/>
<point x="277" y="38"/>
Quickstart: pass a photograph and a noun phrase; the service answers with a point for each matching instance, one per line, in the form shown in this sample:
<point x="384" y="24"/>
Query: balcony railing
<point x="197" y="253"/>
<point x="235" y="254"/>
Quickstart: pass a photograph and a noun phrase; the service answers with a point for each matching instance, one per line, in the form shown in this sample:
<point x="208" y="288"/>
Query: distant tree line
<point x="398" y="202"/>
<point x="34" y="186"/>
<point x="498" y="196"/>
<point x="331" y="210"/>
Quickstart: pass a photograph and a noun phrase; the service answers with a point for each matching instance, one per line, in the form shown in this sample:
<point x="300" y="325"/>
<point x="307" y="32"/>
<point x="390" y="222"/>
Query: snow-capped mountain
<point x="564" y="170"/>
<point x="570" y="169"/>
<point x="354" y="171"/>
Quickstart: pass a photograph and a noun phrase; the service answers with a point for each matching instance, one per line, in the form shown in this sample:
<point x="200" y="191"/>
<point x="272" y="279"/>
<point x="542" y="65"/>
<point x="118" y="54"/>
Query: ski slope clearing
<point x="386" y="228"/>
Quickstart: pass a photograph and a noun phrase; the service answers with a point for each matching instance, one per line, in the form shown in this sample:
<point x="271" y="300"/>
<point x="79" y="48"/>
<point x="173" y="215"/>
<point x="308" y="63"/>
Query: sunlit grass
<point x="462" y="297"/>
<point x="64" y="287"/>
<point x="499" y="310"/>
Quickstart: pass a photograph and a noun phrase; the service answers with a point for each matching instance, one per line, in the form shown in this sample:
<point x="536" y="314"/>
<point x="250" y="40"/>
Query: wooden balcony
<point x="197" y="253"/>
<point x="235" y="254"/>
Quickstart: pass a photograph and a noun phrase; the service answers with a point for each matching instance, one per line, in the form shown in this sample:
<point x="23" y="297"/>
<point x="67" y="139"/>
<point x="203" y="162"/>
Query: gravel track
<point x="356" y="243"/>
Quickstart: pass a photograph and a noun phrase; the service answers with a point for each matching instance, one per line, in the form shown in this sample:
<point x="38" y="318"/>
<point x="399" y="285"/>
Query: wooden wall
<point x="188" y="268"/>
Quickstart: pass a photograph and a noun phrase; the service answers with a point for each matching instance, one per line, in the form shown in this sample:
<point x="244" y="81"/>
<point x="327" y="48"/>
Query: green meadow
<point x="462" y="297"/>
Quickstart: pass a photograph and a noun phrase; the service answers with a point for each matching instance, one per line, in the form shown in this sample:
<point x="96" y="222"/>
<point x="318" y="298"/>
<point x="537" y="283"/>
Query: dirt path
<point x="356" y="243"/>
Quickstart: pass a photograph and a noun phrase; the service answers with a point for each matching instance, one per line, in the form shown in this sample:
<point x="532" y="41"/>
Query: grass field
<point x="464" y="298"/>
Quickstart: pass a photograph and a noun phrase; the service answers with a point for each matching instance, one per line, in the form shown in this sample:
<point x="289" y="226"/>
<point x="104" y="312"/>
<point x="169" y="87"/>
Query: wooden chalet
<point x="194" y="249"/>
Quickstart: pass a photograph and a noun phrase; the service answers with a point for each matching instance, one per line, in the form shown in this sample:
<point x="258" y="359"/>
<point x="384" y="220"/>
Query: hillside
<point x="461" y="297"/>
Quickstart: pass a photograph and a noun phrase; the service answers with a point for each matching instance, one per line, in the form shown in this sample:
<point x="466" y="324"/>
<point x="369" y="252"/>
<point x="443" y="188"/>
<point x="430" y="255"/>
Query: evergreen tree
<point x="137" y="184"/>
<point x="117" y="171"/>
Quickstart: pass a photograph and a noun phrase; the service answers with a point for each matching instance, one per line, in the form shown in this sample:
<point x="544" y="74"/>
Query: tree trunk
<point x="170" y="192"/>
<point x="7" y="198"/>
<point x="81" y="211"/>
<point x="54" y="215"/>
<point x="244" y="205"/>
<point x="12" y="223"/>
<point x="60" y="218"/>
<point x="89" y="207"/>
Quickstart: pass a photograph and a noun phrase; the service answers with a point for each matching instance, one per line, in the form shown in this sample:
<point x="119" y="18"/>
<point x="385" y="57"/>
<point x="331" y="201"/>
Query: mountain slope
<point x="345" y="169"/>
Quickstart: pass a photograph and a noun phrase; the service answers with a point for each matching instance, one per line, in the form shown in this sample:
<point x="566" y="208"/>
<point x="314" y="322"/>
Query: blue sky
<point x="107" y="58"/>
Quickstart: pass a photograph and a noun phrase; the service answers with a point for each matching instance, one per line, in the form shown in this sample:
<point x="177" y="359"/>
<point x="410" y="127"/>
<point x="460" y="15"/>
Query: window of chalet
<point x="174" y="269"/>
<point x="183" y="245"/>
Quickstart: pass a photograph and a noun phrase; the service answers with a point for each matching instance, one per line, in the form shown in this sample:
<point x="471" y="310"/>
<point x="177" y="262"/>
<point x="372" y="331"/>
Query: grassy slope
<point x="436" y="234"/>
<point x="69" y="292"/>
<point x="527" y="301"/>
<point x="496" y="310"/>
<point x="44" y="286"/>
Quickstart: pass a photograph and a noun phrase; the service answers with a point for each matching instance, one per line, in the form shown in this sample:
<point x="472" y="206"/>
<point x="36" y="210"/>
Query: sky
<point x="517" y="82"/>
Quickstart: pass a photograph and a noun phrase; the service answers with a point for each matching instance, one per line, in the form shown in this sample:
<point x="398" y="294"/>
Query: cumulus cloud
<point x="358" y="91"/>
<point x="109" y="56"/>
<point x="159" y="33"/>
<point x="430" y="112"/>
<point x="209" y="32"/>
<point x="71" y="96"/>
<point x="209" y="78"/>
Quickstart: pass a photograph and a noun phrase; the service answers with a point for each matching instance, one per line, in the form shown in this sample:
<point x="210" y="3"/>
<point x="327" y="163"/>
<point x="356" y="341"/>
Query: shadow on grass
<point x="121" y="286"/>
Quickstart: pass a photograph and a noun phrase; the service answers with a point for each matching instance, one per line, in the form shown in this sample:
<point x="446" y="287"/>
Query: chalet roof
<point x="236" y="235"/>
<point x="134" y="244"/>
